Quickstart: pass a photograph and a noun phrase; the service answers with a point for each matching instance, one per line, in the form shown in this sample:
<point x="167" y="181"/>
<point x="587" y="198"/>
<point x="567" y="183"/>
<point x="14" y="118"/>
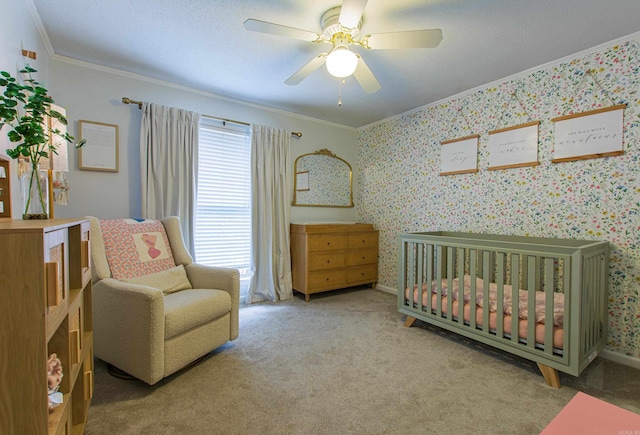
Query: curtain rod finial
<point x="127" y="100"/>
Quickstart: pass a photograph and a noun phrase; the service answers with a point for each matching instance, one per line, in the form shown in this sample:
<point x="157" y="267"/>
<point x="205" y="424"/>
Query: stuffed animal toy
<point x="54" y="377"/>
<point x="54" y="371"/>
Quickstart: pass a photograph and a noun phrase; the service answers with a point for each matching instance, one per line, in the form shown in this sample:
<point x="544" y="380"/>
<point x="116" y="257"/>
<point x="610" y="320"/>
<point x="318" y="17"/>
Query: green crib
<point x="542" y="299"/>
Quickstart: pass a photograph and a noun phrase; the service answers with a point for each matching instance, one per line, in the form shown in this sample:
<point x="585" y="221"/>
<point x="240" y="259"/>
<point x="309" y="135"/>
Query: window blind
<point x="223" y="204"/>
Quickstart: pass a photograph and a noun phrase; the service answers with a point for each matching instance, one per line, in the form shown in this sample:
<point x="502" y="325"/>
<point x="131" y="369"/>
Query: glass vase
<point x="35" y="193"/>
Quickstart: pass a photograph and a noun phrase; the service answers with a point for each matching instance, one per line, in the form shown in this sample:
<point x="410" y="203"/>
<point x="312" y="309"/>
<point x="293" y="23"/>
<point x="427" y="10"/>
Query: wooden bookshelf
<point x="45" y="308"/>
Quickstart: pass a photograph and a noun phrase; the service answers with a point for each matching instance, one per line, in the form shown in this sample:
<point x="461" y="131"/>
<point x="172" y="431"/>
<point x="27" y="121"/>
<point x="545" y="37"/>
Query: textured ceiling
<point x="204" y="45"/>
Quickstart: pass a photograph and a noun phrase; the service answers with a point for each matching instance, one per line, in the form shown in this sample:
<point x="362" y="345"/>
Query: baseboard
<point x="620" y="358"/>
<point x="386" y="289"/>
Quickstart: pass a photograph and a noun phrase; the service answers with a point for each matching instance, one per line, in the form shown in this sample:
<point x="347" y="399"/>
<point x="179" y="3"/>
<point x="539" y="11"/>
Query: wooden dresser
<point x="333" y="256"/>
<point x="45" y="308"/>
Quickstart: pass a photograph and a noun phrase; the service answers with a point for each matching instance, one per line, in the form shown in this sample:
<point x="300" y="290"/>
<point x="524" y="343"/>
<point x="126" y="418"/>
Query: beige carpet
<point x="345" y="364"/>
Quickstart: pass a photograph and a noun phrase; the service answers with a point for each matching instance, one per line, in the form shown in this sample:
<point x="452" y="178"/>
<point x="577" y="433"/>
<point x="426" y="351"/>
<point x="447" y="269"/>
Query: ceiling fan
<point x="341" y="28"/>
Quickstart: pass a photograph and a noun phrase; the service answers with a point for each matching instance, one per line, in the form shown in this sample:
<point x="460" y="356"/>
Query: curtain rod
<point x="127" y="100"/>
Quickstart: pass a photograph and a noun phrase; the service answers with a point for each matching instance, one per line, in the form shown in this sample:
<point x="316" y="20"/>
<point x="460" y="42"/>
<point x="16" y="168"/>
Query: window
<point x="223" y="205"/>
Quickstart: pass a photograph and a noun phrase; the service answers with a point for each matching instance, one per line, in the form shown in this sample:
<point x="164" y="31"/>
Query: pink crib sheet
<point x="523" y="314"/>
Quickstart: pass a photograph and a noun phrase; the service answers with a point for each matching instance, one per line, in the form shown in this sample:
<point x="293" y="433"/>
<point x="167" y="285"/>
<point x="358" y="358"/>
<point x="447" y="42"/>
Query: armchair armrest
<point x="221" y="278"/>
<point x="128" y="325"/>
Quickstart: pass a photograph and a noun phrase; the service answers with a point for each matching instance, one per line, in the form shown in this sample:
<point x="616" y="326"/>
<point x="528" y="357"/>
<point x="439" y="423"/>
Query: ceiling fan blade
<point x="351" y="12"/>
<point x="310" y="67"/>
<point x="428" y="38"/>
<point x="277" y="29"/>
<point x="365" y="77"/>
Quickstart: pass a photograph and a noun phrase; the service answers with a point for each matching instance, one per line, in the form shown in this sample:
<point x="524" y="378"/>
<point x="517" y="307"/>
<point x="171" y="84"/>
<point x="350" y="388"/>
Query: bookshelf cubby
<point x="45" y="308"/>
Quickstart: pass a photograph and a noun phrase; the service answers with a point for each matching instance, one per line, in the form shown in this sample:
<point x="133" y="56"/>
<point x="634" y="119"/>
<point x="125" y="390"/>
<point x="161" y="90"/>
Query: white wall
<point x="94" y="94"/>
<point x="17" y="32"/>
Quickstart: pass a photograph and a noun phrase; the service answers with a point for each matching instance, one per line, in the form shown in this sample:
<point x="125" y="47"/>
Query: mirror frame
<point x="322" y="152"/>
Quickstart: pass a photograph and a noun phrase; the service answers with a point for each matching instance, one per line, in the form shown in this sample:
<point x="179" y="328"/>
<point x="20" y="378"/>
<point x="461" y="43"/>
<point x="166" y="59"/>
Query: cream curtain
<point x="169" y="165"/>
<point x="270" y="213"/>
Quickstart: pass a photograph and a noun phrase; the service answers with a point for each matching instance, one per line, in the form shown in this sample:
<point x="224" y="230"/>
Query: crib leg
<point x="550" y="375"/>
<point x="409" y="321"/>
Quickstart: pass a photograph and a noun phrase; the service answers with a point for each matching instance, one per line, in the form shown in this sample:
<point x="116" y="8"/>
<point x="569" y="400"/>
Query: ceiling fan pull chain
<point x="340" y="83"/>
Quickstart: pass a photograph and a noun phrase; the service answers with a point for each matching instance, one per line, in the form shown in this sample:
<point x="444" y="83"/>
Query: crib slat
<point x="461" y="258"/>
<point x="411" y="281"/>
<point x="601" y="296"/>
<point x="486" y="272"/>
<point x="531" y="304"/>
<point x="439" y="259"/>
<point x="515" y="297"/>
<point x="473" y="268"/>
<point x="596" y="302"/>
<point x="500" y="294"/>
<point x="420" y="268"/>
<point x="450" y="267"/>
<point x="590" y="305"/>
<point x="404" y="267"/>
<point x="549" y="305"/>
<point x="592" y="298"/>
<point x="429" y="276"/>
<point x="584" y="315"/>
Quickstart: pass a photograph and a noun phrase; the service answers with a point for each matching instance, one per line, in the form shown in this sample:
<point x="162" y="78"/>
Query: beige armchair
<point x="152" y="325"/>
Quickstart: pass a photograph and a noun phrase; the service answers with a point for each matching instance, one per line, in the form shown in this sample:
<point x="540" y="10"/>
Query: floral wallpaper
<point x="401" y="190"/>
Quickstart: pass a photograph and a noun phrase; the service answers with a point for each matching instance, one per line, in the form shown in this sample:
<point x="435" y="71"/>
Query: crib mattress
<point x="523" y="304"/>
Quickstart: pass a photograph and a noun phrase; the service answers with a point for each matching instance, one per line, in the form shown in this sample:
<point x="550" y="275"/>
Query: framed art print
<point x="459" y="156"/>
<point x="589" y="135"/>
<point x="100" y="153"/>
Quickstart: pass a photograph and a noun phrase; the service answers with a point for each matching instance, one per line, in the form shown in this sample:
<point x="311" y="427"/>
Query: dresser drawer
<point x="358" y="257"/>
<point x="327" y="280"/>
<point x="368" y="273"/>
<point x="363" y="240"/>
<point x="330" y="260"/>
<point x="326" y="242"/>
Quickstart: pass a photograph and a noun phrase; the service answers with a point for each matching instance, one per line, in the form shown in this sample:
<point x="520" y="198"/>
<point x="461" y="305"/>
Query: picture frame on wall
<point x="302" y="181"/>
<point x="514" y="147"/>
<point x="100" y="152"/>
<point x="589" y="135"/>
<point x="459" y="156"/>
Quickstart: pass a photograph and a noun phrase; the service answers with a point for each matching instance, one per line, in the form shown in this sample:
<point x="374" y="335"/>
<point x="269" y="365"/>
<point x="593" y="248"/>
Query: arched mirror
<point x="322" y="179"/>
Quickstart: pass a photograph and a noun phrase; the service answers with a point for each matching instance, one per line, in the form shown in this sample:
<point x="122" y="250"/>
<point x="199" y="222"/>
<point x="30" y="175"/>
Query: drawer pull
<point x="75" y="346"/>
<point x="88" y="385"/>
<point x="54" y="286"/>
<point x="85" y="253"/>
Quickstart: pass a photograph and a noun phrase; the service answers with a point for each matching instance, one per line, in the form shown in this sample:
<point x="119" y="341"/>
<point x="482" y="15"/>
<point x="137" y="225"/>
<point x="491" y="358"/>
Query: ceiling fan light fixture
<point x="341" y="62"/>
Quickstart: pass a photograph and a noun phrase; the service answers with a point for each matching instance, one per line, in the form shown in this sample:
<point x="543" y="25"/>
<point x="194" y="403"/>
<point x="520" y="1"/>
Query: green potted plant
<point x="26" y="108"/>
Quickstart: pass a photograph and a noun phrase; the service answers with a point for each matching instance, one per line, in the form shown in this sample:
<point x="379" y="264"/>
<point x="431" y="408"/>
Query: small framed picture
<point x="459" y="156"/>
<point x="589" y="135"/>
<point x="100" y="152"/>
<point x="302" y="181"/>
<point x="514" y="147"/>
